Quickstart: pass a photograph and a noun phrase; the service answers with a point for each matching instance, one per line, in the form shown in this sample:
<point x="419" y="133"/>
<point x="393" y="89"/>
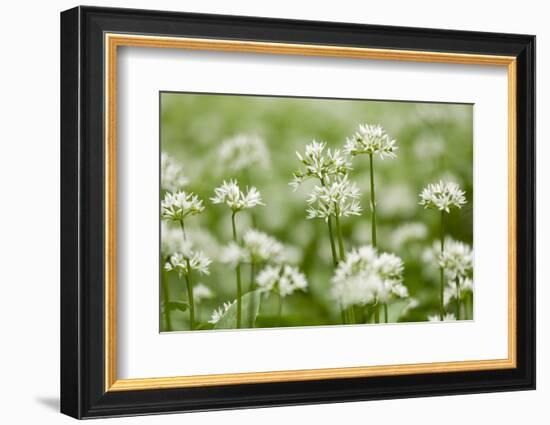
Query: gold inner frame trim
<point x="113" y="41"/>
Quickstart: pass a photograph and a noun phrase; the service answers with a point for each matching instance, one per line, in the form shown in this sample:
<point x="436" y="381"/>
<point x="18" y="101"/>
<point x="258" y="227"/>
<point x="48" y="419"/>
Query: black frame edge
<point x="82" y="345"/>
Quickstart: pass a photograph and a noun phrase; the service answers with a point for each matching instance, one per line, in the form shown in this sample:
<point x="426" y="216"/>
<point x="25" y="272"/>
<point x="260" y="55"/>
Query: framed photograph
<point x="261" y="212"/>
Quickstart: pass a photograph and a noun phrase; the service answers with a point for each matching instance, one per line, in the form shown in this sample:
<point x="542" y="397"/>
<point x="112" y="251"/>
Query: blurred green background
<point x="435" y="142"/>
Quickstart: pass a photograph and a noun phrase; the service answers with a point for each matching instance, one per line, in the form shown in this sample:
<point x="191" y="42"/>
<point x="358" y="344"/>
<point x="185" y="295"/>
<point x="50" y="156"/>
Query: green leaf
<point x="250" y="306"/>
<point x="177" y="305"/>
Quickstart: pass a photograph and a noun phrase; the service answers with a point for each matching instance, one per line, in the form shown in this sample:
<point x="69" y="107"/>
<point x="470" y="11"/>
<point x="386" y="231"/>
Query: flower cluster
<point x="320" y="163"/>
<point x="179" y="205"/>
<point x="260" y="247"/>
<point x="371" y="139"/>
<point x="338" y="198"/>
<point x="187" y="260"/>
<point x="367" y="276"/>
<point x="243" y="151"/>
<point x="172" y="178"/>
<point x="218" y="313"/>
<point x="457" y="260"/>
<point x="230" y="194"/>
<point x="442" y="196"/>
<point x="283" y="278"/>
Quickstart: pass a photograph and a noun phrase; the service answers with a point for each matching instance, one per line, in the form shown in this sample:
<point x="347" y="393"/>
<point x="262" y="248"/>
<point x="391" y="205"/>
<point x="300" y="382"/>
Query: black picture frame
<point x="83" y="392"/>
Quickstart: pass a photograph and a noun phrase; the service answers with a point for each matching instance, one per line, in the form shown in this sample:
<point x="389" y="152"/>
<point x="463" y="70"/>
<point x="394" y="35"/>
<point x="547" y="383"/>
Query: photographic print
<point x="292" y="212"/>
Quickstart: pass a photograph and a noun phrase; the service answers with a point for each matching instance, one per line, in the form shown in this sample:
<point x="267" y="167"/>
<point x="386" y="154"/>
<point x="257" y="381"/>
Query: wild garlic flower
<point x="338" y="198"/>
<point x="202" y="292"/>
<point x="371" y="139"/>
<point x="260" y="247"/>
<point x="449" y="317"/>
<point x="230" y="194"/>
<point x="185" y="262"/>
<point x="179" y="205"/>
<point x="243" y="151"/>
<point x="172" y="178"/>
<point x="233" y="254"/>
<point x="320" y="163"/>
<point x="286" y="279"/>
<point x="442" y="196"/>
<point x="366" y="276"/>
<point x="457" y="260"/>
<point x="220" y="311"/>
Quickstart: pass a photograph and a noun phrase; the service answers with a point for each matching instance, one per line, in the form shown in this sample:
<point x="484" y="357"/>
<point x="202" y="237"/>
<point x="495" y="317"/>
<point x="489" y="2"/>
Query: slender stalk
<point x="166" y="299"/>
<point x="189" y="285"/>
<point x="238" y="275"/>
<point x="457" y="283"/>
<point x="385" y="312"/>
<point x="441" y="270"/>
<point x="340" y="240"/>
<point x="251" y="288"/>
<point x="332" y="244"/>
<point x="376" y="313"/>
<point x="279" y="309"/>
<point x="372" y="202"/>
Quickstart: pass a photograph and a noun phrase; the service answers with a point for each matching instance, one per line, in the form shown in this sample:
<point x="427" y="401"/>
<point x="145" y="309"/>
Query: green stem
<point x="279" y="309"/>
<point x="376" y="313"/>
<point x="238" y="274"/>
<point x="457" y="299"/>
<point x="332" y="244"/>
<point x="372" y="202"/>
<point x="441" y="270"/>
<point x="385" y="313"/>
<point x="340" y="240"/>
<point x="166" y="299"/>
<point x="189" y="283"/>
<point x="251" y="288"/>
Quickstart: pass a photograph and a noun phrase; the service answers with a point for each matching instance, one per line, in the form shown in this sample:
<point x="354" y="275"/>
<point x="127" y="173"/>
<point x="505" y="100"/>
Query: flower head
<point x="457" y="260"/>
<point x="371" y="139"/>
<point x="442" y="196"/>
<point x="220" y="311"/>
<point x="243" y="151"/>
<point x="171" y="174"/>
<point x="320" y="163"/>
<point x="366" y="276"/>
<point x="230" y="194"/>
<point x="285" y="278"/>
<point x="179" y="205"/>
<point x="233" y="254"/>
<point x="188" y="260"/>
<point x="338" y="198"/>
<point x="261" y="247"/>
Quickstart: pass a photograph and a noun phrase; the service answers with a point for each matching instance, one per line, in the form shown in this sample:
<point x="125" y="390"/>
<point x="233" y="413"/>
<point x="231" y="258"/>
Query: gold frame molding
<point x="113" y="41"/>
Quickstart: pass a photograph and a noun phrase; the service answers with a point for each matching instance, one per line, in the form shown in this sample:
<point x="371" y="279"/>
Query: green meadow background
<point x="435" y="142"/>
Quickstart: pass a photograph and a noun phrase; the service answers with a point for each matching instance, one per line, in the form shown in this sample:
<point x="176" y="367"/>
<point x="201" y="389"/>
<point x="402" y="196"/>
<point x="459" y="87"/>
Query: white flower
<point x="230" y="194"/>
<point x="185" y="262"/>
<point x="320" y="164"/>
<point x="201" y="292"/>
<point x="179" y="205"/>
<point x="171" y="174"/>
<point x="406" y="233"/>
<point x="243" y="151"/>
<point x="371" y="139"/>
<point x="219" y="312"/>
<point x="233" y="254"/>
<point x="442" y="196"/>
<point x="286" y="279"/>
<point x="457" y="260"/>
<point x="261" y="247"/>
<point x="366" y="276"/>
<point x="338" y="198"/>
<point x="449" y="317"/>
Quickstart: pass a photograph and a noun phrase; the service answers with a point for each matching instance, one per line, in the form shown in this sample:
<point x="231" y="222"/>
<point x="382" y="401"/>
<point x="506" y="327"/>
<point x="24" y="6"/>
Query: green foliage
<point x="250" y="309"/>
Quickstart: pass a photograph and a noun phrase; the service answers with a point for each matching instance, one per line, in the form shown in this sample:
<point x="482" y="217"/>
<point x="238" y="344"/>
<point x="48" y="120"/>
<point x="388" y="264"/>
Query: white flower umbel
<point x="230" y="194"/>
<point x="442" y="197"/>
<point x="324" y="165"/>
<point x="172" y="177"/>
<point x="184" y="263"/>
<point x="260" y="247"/>
<point x="371" y="140"/>
<point x="282" y="280"/>
<point x="243" y="152"/>
<point x="178" y="206"/>
<point x="457" y="263"/>
<point x="367" y="277"/>
<point x="220" y="311"/>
